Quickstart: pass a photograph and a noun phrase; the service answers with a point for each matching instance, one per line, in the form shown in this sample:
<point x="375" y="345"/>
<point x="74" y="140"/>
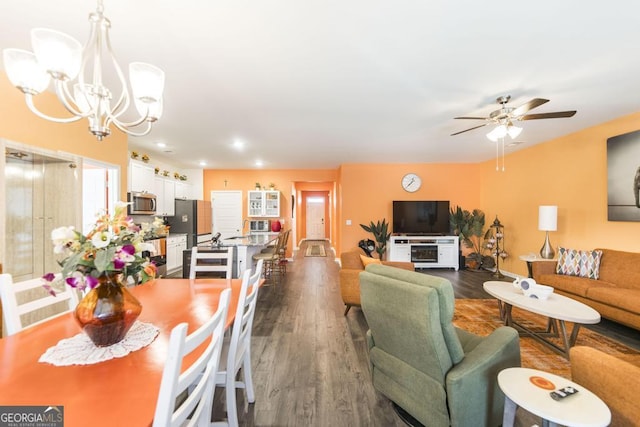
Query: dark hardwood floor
<point x="310" y="361"/>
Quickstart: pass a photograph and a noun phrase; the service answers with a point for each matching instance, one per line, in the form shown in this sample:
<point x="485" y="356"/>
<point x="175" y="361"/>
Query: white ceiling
<point x="319" y="83"/>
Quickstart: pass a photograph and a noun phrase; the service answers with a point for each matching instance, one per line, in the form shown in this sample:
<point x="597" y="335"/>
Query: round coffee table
<point x="530" y="388"/>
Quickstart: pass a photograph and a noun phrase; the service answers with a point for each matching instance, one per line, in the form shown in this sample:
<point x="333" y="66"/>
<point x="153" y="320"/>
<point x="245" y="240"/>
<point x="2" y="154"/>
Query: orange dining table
<point x="117" y="392"/>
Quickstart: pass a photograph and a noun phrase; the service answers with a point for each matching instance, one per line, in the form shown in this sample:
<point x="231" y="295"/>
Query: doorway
<point x="315" y="211"/>
<point x="99" y="191"/>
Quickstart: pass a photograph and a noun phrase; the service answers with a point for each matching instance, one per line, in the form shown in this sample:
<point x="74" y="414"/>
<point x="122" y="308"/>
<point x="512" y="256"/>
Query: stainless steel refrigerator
<point x="192" y="217"/>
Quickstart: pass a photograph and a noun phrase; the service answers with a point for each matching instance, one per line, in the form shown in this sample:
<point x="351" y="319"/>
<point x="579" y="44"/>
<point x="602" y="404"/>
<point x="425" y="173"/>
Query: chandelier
<point x="77" y="73"/>
<point x="498" y="135"/>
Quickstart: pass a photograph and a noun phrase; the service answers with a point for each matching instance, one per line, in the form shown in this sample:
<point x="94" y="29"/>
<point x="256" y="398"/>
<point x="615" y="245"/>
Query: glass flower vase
<point x="108" y="311"/>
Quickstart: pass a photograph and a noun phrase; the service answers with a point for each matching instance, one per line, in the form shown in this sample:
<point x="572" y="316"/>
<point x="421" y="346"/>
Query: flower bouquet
<point x="101" y="264"/>
<point x="115" y="244"/>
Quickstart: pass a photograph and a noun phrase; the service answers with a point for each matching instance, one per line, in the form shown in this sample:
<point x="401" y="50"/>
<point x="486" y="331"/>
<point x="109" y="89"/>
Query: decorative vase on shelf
<point x="108" y="311"/>
<point x="276" y="226"/>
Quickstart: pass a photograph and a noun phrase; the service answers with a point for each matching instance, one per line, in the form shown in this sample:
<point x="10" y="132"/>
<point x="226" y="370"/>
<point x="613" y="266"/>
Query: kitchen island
<point x="244" y="247"/>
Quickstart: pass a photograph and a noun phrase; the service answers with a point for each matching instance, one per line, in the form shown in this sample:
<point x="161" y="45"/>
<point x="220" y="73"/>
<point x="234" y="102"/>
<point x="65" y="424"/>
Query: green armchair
<point x="439" y="374"/>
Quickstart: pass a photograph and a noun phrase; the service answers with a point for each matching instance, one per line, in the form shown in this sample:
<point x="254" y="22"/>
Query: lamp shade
<point x="548" y="218"/>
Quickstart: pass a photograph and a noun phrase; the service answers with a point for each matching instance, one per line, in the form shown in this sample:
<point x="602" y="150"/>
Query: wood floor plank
<point x="310" y="362"/>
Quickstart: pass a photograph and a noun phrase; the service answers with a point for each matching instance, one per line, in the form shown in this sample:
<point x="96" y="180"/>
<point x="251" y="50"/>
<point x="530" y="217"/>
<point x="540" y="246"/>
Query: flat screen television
<point x="430" y="217"/>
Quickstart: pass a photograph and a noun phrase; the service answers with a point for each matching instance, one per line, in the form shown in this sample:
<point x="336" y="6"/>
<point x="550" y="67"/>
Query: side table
<point x="530" y="259"/>
<point x="530" y="388"/>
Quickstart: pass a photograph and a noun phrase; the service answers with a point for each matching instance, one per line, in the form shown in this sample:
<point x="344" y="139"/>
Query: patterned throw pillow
<point x="572" y="262"/>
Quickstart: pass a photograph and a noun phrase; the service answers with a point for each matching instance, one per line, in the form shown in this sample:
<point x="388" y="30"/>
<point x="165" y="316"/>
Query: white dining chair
<point x="195" y="408"/>
<point x="207" y="261"/>
<point x="27" y="303"/>
<point x="236" y="352"/>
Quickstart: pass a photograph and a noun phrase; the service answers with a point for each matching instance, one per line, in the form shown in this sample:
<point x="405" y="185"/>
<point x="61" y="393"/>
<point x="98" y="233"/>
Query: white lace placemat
<point x="80" y="350"/>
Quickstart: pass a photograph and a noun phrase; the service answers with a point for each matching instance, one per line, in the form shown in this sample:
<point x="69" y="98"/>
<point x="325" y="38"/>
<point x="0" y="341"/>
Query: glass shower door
<point x="42" y="192"/>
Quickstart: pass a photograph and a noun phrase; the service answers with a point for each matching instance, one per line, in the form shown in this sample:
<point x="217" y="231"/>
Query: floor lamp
<point x="547" y="221"/>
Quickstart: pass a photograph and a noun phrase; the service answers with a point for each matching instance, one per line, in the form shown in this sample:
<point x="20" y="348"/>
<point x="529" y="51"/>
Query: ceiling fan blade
<point x="471" y="118"/>
<point x="467" y="130"/>
<point x="556" y="115"/>
<point x="535" y="102"/>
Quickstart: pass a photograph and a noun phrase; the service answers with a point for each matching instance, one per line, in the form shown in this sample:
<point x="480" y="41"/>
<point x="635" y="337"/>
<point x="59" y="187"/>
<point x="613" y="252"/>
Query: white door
<point x="227" y="213"/>
<point x="315" y="218"/>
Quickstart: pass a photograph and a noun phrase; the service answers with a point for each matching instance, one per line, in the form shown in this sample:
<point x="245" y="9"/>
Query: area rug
<point x="315" y="249"/>
<point x="481" y="317"/>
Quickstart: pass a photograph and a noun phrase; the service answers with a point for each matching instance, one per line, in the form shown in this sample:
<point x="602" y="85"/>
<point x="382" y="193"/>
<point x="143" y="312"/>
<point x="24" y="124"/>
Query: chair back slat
<point x="27" y="303"/>
<point x="239" y="347"/>
<point x="208" y="261"/>
<point x="198" y="377"/>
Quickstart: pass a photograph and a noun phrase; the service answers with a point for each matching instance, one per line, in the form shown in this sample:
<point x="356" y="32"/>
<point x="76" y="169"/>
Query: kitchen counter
<point x="261" y="239"/>
<point x="244" y="248"/>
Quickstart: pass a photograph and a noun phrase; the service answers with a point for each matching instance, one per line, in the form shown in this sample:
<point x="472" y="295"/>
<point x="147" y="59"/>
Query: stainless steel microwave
<point x="142" y="203"/>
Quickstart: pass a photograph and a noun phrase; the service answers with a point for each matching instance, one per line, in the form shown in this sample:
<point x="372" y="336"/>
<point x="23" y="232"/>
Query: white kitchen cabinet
<point x="141" y="177"/>
<point x="165" y="191"/>
<point x="184" y="191"/>
<point x="263" y="203"/>
<point x="176" y="245"/>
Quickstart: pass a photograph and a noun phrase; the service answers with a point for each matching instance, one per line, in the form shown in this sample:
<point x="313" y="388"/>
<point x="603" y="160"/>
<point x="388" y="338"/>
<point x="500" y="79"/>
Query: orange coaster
<point x="542" y="383"/>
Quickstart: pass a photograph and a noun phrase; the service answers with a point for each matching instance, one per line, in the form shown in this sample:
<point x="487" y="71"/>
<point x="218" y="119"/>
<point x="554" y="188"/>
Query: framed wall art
<point x="623" y="177"/>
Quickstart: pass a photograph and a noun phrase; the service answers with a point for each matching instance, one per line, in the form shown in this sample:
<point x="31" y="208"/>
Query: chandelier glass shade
<point x="78" y="78"/>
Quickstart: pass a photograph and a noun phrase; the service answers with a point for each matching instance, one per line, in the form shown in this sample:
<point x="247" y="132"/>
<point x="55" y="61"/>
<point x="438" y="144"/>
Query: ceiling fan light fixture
<point x="497" y="133"/>
<point x="502" y="131"/>
<point x="514" y="131"/>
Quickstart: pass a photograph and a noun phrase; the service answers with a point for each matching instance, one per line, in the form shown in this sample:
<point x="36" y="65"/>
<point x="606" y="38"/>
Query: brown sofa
<point x="613" y="380"/>
<point x="351" y="266"/>
<point x="616" y="293"/>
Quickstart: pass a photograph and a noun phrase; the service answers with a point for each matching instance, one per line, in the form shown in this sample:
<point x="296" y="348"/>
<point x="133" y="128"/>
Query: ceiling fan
<point x="506" y="115"/>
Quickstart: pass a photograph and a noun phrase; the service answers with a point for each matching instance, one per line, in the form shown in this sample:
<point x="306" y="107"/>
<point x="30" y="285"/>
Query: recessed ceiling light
<point x="238" y="144"/>
<point x="203" y="163"/>
<point x="259" y="163"/>
<point x="161" y="144"/>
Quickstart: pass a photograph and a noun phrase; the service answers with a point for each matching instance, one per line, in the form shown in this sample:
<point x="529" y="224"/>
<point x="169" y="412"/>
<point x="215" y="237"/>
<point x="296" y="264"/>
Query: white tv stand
<point x="425" y="251"/>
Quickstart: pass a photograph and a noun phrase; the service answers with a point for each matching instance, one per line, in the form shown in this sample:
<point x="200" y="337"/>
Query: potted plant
<point x="258" y="186"/>
<point x="381" y="234"/>
<point x="469" y="227"/>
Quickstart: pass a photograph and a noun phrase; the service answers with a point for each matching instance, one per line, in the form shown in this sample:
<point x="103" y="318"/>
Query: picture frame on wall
<point x="623" y="177"/>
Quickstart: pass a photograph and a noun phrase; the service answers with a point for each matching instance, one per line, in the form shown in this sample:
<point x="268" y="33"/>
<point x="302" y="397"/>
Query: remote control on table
<point x="563" y="392"/>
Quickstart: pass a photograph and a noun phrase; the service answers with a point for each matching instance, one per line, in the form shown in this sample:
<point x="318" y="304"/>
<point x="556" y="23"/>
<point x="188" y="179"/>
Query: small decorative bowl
<point x="540" y="292"/>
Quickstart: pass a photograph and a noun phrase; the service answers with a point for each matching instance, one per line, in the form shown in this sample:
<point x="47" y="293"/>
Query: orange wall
<point x="286" y="181"/>
<point x="19" y="124"/>
<point x="570" y="172"/>
<point x="367" y="192"/>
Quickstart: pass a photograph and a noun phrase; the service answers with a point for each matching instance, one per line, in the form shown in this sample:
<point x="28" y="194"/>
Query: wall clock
<point x="411" y="182"/>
